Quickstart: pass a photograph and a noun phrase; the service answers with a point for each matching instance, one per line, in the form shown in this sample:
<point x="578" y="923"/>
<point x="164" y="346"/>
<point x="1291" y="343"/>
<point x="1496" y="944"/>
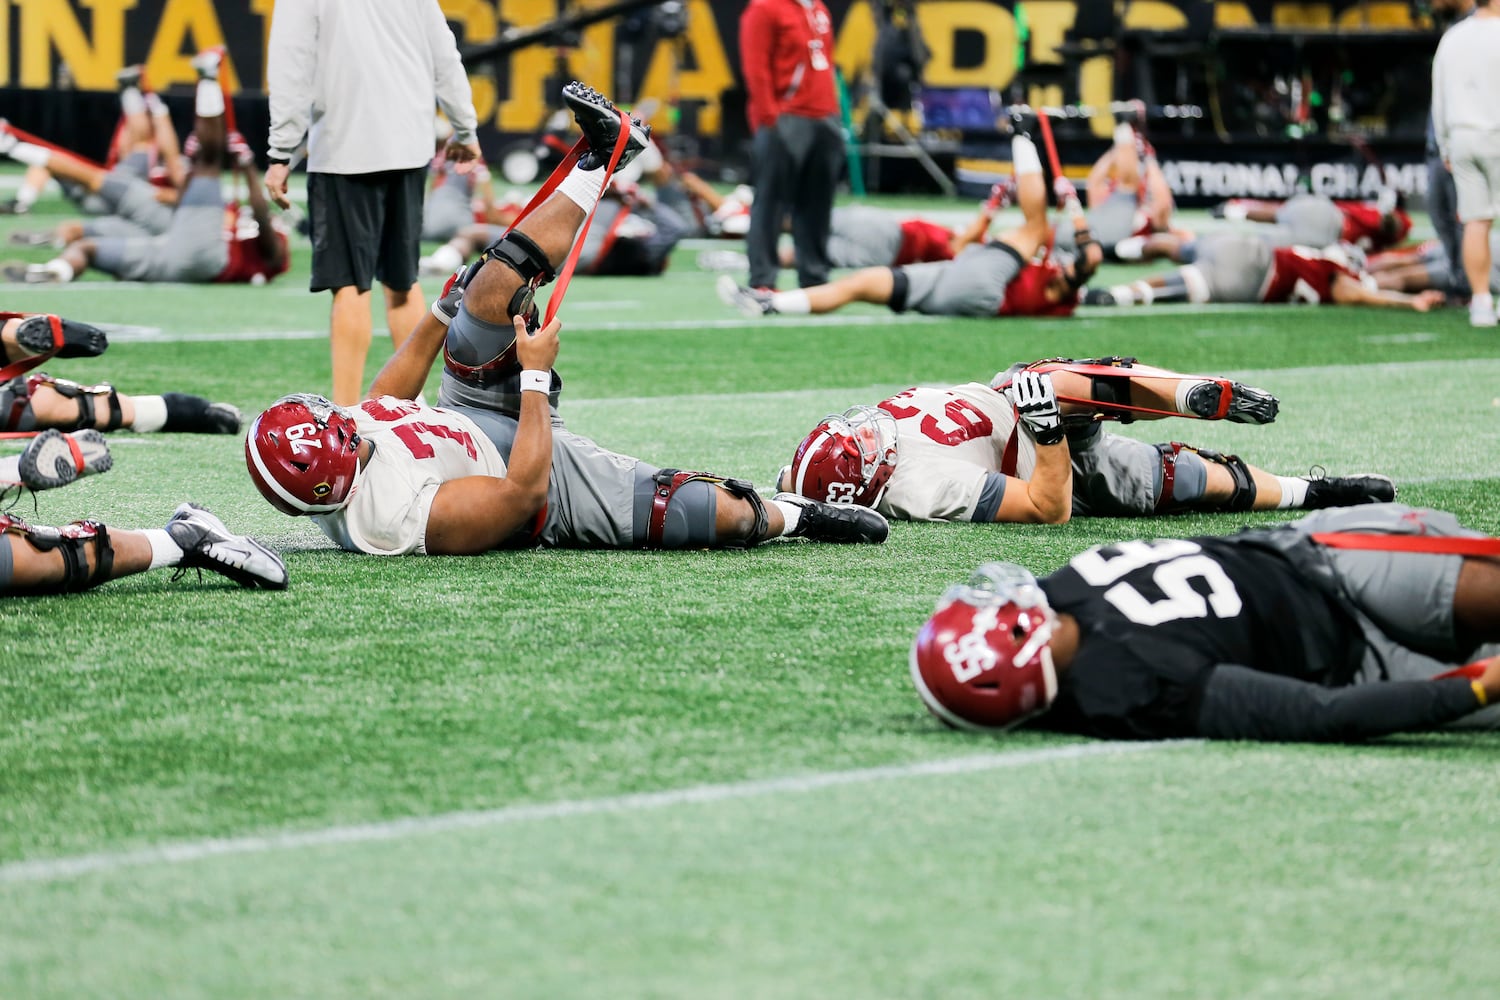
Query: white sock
<point x="1184" y="389"/>
<point x="1235" y="212"/>
<point x="1293" y="492"/>
<point x="150" y="414"/>
<point x="132" y="101"/>
<point x="156" y="106"/>
<point x="210" y="100"/>
<point x="1142" y="292"/>
<point x="31" y="154"/>
<point x="447" y="258"/>
<point x="791" y="513"/>
<point x="164" y="551"/>
<point x="26" y="196"/>
<point x="1131" y="248"/>
<point x="1197" y="284"/>
<point x="794" y="303"/>
<point x="61" y="268"/>
<point x="584" y="187"/>
<point x="1482" y="302"/>
<point x="1124" y="134"/>
<point x="1024" y="156"/>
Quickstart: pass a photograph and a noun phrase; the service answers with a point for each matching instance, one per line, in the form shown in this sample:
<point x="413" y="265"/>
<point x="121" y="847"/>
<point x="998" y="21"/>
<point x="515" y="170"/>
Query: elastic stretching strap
<point x="545" y="191"/>
<point x="1445" y="545"/>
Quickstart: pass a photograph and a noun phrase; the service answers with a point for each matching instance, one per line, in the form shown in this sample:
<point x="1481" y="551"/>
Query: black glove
<point x="1036" y="404"/>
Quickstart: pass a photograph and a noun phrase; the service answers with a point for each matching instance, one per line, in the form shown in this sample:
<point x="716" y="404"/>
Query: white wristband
<point x="536" y="381"/>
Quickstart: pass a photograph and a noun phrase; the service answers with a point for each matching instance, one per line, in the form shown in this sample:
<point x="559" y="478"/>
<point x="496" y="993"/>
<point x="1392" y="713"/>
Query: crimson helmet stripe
<point x="820" y="435"/>
<point x="268" y="477"/>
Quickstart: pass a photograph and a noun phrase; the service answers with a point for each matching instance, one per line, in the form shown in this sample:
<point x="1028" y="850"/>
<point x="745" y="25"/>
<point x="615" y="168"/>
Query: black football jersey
<point x="1157" y="617"/>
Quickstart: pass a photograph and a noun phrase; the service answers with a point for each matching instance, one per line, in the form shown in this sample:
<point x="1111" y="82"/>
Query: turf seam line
<point x="185" y="852"/>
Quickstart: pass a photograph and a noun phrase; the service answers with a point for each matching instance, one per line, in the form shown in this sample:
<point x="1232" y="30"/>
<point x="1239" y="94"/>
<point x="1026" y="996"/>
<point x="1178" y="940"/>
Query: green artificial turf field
<point x="573" y="774"/>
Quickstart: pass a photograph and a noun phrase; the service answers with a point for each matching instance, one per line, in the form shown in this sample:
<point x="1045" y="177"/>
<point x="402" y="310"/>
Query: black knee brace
<point x="900" y="288"/>
<point x="1243" y="497"/>
<point x="84" y="395"/>
<point x="70" y="540"/>
<point x="520" y="253"/>
<point x="669" y="481"/>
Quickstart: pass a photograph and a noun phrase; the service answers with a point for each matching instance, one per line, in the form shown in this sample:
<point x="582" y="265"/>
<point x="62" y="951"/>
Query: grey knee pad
<point x="691" y="513"/>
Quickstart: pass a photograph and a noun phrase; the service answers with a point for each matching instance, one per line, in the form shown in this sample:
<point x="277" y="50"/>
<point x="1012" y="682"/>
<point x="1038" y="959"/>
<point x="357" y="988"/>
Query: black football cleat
<point x="64" y="338"/>
<point x="1245" y="405"/>
<point x="1347" y="491"/>
<point x="188" y="414"/>
<point x="54" y="459"/>
<point x="600" y="122"/>
<point x="841" y="523"/>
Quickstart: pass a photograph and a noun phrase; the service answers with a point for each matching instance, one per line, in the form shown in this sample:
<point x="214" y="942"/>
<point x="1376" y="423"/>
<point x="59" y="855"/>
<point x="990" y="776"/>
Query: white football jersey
<point x="949" y="441"/>
<point x="417" y="449"/>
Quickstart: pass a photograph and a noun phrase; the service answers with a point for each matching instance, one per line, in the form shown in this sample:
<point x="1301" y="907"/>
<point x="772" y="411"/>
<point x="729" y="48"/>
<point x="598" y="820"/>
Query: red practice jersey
<point x="1026" y="295"/>
<point x="1362" y="226"/>
<point x="923" y="241"/>
<point x="786" y="53"/>
<point x="246" y="261"/>
<point x="1300" y="274"/>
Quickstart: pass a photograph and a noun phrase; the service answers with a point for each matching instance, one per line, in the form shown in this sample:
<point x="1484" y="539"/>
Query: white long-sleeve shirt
<point x="359" y="79"/>
<point x="1466" y="79"/>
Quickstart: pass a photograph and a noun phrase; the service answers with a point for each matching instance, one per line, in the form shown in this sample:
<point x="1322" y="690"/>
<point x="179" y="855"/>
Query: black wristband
<point x="283" y="160"/>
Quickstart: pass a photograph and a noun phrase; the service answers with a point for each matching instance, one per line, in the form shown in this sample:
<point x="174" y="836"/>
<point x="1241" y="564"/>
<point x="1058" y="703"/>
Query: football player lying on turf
<point x="1015" y="275"/>
<point x="1244" y="267"/>
<point x="84" y="554"/>
<point x="203" y="242"/>
<point x="30" y="402"/>
<point x="1317" y="220"/>
<point x="1129" y="203"/>
<point x="395" y="476"/>
<point x="144" y="148"/>
<point x="861" y="236"/>
<point x="1345" y="625"/>
<point x="958" y="453"/>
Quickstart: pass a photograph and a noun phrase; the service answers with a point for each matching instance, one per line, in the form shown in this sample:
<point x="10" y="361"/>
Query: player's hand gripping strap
<point x="668" y="481"/>
<point x="1243" y="497"/>
<point x="70" y="540"/>
<point x="83" y="394"/>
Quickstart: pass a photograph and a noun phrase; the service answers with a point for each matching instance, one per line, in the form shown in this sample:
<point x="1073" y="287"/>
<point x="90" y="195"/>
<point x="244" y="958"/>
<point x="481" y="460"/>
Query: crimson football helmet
<point x="982" y="661"/>
<point x="303" y="454"/>
<point x="848" y="458"/>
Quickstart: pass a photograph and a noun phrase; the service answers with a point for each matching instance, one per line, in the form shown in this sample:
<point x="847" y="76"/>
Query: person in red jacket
<point x="786" y="56"/>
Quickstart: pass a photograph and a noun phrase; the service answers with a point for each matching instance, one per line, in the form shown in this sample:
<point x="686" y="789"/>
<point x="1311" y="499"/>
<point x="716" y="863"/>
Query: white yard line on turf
<point x="59" y="869"/>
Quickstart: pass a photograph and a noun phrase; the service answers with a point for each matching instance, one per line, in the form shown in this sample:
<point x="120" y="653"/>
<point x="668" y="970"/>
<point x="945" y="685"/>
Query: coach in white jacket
<point x="1466" y="119"/>
<point x="360" y="80"/>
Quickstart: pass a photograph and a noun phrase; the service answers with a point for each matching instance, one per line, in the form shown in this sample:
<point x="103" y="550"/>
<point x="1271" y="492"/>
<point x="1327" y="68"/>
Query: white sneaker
<point x="1481" y="315"/>
<point x="54" y="459"/>
<point x="207" y="544"/>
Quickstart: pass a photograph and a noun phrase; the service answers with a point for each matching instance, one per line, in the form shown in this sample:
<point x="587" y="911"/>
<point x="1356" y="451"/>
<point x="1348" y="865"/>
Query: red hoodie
<point x="783" y="44"/>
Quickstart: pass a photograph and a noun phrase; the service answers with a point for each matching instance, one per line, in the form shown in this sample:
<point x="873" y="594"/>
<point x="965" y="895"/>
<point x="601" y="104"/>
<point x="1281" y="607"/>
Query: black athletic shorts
<point x="366" y="226"/>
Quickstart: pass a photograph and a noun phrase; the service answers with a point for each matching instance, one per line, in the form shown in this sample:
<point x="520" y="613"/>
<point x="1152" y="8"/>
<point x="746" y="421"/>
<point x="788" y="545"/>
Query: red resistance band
<point x="569" y="161"/>
<point x="1117" y="371"/>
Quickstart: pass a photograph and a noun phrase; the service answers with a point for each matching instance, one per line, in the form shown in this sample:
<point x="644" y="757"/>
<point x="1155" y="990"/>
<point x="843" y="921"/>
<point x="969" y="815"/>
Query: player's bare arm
<point x="1047" y="497"/>
<point x="478" y="513"/>
<point x="1349" y="291"/>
